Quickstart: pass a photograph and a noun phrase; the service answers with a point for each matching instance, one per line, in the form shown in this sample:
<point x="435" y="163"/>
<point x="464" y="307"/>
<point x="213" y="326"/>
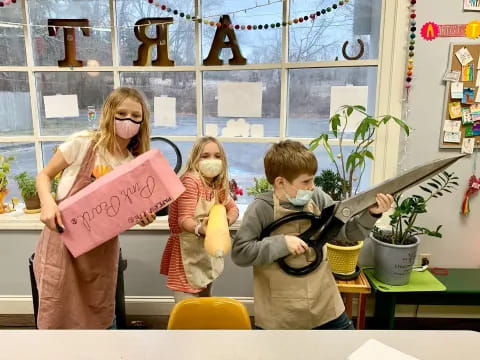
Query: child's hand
<point x="384" y="202"/>
<point x="147" y="219"/>
<point x="295" y="245"/>
<point x="50" y="216"/>
<point x="203" y="227"/>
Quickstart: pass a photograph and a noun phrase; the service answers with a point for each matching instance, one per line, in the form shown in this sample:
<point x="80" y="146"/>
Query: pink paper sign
<point x="114" y="203"/>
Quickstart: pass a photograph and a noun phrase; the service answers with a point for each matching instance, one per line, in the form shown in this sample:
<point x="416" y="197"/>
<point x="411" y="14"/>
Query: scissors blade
<point x="419" y="174"/>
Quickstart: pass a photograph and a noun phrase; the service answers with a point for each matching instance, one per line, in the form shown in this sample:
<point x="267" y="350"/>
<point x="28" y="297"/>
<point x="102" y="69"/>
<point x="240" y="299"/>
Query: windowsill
<point x="21" y="221"/>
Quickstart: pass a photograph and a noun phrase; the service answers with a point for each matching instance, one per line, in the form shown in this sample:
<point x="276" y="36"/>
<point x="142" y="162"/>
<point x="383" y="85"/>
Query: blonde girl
<point x="189" y="269"/>
<point x="79" y="293"/>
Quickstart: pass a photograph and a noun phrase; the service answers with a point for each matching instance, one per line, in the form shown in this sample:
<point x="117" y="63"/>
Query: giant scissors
<point x="326" y="226"/>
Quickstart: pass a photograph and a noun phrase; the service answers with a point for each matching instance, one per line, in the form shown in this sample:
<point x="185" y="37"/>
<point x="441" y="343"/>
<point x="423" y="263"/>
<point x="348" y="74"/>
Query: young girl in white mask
<point x="79" y="293"/>
<point x="190" y="270"/>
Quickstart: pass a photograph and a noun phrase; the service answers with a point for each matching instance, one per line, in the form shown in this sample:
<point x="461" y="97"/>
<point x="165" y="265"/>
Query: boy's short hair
<point x="289" y="159"/>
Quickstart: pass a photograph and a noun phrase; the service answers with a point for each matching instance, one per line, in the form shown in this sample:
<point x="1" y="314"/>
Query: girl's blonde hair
<point x="105" y="138"/>
<point x="220" y="182"/>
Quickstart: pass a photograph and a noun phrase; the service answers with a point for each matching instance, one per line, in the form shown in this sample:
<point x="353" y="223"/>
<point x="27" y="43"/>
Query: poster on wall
<point x="471" y="5"/>
<point x="461" y="116"/>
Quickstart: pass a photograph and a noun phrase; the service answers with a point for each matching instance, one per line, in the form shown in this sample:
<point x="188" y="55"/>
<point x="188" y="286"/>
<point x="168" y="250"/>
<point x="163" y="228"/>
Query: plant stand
<point x="348" y="289"/>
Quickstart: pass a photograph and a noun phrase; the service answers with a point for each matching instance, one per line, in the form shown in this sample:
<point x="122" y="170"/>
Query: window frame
<point x="390" y="71"/>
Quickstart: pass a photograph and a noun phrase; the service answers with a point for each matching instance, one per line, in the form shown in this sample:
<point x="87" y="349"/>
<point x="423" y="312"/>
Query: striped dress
<point x="180" y="210"/>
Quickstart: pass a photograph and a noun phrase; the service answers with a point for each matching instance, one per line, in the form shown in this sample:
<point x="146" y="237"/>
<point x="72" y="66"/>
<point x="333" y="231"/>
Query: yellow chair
<point x="209" y="313"/>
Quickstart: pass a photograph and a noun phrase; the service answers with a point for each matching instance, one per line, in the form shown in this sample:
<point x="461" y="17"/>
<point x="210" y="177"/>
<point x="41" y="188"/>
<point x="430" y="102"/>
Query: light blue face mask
<point x="302" y="198"/>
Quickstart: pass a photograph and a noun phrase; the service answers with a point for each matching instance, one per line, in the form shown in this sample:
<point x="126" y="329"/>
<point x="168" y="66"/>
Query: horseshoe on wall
<point x="360" y="53"/>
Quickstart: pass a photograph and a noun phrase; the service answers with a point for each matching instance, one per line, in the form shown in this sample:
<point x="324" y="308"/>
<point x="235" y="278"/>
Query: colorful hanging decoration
<point x="473" y="187"/>
<point x="411" y="47"/>
<point x="430" y="30"/>
<point x="7" y="2"/>
<point x="273" y="25"/>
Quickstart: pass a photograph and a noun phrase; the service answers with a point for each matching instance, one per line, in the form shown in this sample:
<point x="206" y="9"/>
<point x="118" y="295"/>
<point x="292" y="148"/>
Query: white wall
<point x="460" y="245"/>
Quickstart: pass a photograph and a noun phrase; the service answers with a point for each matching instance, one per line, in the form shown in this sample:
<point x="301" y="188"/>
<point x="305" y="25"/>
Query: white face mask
<point x="301" y="198"/>
<point x="210" y="167"/>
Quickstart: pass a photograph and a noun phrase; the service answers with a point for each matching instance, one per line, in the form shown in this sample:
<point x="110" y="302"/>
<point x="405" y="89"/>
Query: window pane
<point x="270" y="80"/>
<point x="257" y="46"/>
<point x="243" y="168"/>
<point x="15" y="110"/>
<point x="90" y="88"/>
<point x="181" y="36"/>
<point x="323" y="38"/>
<point x="169" y="153"/>
<point x="12" y="41"/>
<point x="24" y="154"/>
<point x="47" y="150"/>
<point x="309" y="96"/>
<point x="95" y="49"/>
<point x="179" y="85"/>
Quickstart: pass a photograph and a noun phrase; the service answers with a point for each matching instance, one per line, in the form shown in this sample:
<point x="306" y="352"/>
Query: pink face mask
<point x="126" y="128"/>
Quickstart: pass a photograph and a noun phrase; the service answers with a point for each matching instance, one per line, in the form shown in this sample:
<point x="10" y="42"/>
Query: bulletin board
<point x="461" y="116"/>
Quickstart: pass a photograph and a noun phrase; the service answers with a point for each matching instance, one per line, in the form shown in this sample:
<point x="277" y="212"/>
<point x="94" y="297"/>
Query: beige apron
<point x="76" y="293"/>
<point x="284" y="301"/>
<point x="200" y="268"/>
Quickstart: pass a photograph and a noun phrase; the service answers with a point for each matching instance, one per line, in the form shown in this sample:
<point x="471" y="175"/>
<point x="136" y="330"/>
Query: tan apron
<point x="76" y="293"/>
<point x="284" y="301"/>
<point x="200" y="268"/>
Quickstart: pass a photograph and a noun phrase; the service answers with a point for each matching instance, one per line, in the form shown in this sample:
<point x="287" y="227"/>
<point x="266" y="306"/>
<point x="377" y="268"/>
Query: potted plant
<point x="28" y="189"/>
<point x="330" y="182"/>
<point x="261" y="185"/>
<point x="395" y="248"/>
<point x="4" y="171"/>
<point x="349" y="166"/>
<point x="235" y="190"/>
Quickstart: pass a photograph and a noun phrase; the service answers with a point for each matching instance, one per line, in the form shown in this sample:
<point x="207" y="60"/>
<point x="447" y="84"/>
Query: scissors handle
<point x="322" y="229"/>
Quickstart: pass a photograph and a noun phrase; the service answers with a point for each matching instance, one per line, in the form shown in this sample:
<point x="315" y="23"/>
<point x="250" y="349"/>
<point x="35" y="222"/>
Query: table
<point x="348" y="288"/>
<point x="462" y="288"/>
<point x="229" y="344"/>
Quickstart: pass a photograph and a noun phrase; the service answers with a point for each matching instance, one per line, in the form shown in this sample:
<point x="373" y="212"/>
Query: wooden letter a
<point x="219" y="43"/>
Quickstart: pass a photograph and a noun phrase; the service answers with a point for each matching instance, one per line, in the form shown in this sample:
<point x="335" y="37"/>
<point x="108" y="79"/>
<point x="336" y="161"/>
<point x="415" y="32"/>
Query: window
<point x="270" y="114"/>
<point x="294" y="77"/>
<point x="323" y="38"/>
<point x="181" y="32"/>
<point x="95" y="49"/>
<point x="15" y="110"/>
<point x="309" y="107"/>
<point x="90" y="90"/>
<point x="12" y="41"/>
<point x="178" y="85"/>
<point x="262" y="46"/>
<point x="24" y="160"/>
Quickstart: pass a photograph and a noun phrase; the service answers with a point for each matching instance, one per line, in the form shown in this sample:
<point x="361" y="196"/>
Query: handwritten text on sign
<point x="115" y="202"/>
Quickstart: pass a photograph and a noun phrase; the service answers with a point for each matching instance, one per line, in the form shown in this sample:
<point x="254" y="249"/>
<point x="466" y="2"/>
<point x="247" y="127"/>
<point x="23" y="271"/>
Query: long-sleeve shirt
<point x="180" y="210"/>
<point x="247" y="249"/>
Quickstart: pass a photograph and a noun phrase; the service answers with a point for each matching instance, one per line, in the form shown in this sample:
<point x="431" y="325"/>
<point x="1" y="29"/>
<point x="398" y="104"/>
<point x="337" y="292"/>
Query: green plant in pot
<point x="348" y="168"/>
<point x="261" y="185"/>
<point x="330" y="182"/>
<point x="395" y="247"/>
<point x="28" y="189"/>
<point x="4" y="171"/>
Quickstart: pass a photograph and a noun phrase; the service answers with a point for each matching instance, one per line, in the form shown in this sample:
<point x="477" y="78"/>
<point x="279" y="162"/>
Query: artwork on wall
<point x="471" y="5"/>
<point x="461" y="119"/>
